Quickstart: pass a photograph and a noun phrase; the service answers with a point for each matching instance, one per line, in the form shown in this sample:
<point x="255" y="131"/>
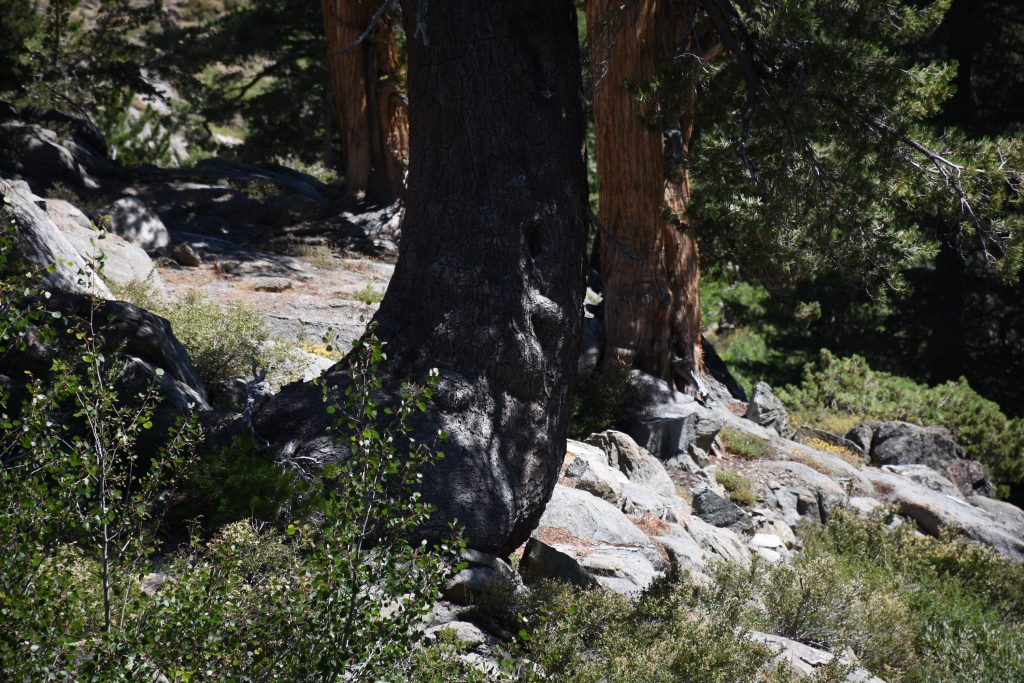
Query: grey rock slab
<point x="802" y="494"/>
<point x="864" y="505"/>
<point x="1008" y="514"/>
<point x="140" y="333"/>
<point x="134" y="222"/>
<point x="769" y="522"/>
<point x="639" y="500"/>
<point x="670" y="424"/>
<point x="41" y="155"/>
<point x="903" y="443"/>
<point x="543" y="561"/>
<point x="848" y="476"/>
<point x="307" y="365"/>
<point x="622" y="570"/>
<point x="683" y="549"/>
<point x="598" y="537"/>
<point x="767" y="410"/>
<point x="769" y="555"/>
<point x="766" y="541"/>
<point x="584" y="516"/>
<point x="66" y="215"/>
<point x="720" y="512"/>
<point x="467" y="633"/>
<point x="177" y="395"/>
<point x="219" y="168"/>
<point x="443" y="612"/>
<point x="723" y="543"/>
<point x="805" y="660"/>
<point x="629" y="478"/>
<point x="927" y="477"/>
<point x="122" y="262"/>
<point x="588" y="470"/>
<point x="934" y="511"/>
<point x="741" y="424"/>
<point x="482" y="570"/>
<point x="235" y="260"/>
<point x="41" y="243"/>
<point x="639" y="466"/>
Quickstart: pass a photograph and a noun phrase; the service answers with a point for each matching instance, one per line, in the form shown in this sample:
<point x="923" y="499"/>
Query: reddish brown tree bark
<point x="649" y="266"/>
<point x="370" y="108"/>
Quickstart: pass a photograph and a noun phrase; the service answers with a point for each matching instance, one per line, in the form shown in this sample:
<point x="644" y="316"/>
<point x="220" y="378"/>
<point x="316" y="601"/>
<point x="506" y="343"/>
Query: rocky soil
<point x="266" y="236"/>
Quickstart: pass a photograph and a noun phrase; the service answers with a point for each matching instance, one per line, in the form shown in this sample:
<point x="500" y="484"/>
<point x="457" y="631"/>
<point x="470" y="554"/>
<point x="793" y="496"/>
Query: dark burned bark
<point x="489" y="277"/>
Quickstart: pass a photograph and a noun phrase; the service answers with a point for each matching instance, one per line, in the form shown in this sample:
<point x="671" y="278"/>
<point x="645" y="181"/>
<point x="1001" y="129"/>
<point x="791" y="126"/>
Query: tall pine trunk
<point x="370" y="109"/>
<point x="649" y="267"/>
<point x="489" y="281"/>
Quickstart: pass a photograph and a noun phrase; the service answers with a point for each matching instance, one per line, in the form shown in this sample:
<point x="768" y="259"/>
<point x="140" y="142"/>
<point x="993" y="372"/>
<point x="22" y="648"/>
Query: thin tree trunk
<point x="649" y="267"/>
<point x="489" y="280"/>
<point x="370" y="110"/>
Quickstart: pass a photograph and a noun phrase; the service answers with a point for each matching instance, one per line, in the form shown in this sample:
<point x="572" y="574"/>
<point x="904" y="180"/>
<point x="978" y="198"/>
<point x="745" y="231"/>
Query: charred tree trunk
<point x="649" y="266"/>
<point x="489" y="281"/>
<point x="370" y="109"/>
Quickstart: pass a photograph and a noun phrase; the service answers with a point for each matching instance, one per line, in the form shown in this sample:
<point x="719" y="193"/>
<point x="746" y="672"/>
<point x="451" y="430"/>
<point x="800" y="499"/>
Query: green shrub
<point x="601" y="400"/>
<point x="368" y="295"/>
<point x="223" y="341"/>
<point x="848" y="388"/>
<point x="338" y="595"/>
<point x="233" y="482"/>
<point x="17" y="316"/>
<point x="739" y="487"/>
<point x="911" y="608"/>
<point x="744" y="445"/>
<point x="578" y="636"/>
<point x="136" y="136"/>
<point x="82" y="492"/>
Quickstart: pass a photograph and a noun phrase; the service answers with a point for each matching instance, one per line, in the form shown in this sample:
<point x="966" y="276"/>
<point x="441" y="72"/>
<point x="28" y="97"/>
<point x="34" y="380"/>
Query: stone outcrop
<point x="122" y="262"/>
<point x="903" y="443"/>
<point x="766" y="409"/>
<point x="134" y="222"/>
<point x="41" y="244"/>
<point x="672" y="426"/>
<point x="622" y="515"/>
<point x="806" y="662"/>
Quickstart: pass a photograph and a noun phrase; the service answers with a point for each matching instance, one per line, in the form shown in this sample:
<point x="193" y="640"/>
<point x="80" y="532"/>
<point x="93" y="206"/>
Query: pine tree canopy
<point x="816" y="147"/>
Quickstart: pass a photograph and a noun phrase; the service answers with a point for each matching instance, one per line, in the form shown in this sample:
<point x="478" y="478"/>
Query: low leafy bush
<point x="223" y="341"/>
<point x="576" y="636"/>
<point x="337" y="595"/>
<point x="233" y="482"/>
<point x="848" y="389"/>
<point x="81" y="498"/>
<point x="368" y="295"/>
<point x="956" y="609"/>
